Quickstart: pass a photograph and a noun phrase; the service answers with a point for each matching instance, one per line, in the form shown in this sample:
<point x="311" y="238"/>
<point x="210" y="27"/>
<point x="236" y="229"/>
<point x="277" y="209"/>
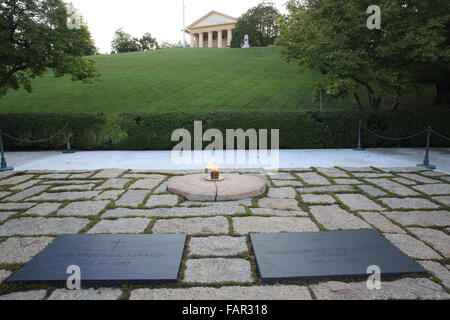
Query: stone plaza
<point x="409" y="206"/>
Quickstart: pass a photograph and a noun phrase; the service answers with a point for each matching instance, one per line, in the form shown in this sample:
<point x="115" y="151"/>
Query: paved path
<point x="409" y="206"/>
<point x="156" y="160"/>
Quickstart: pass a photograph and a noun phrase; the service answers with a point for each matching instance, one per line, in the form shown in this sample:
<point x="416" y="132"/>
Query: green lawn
<point x="178" y="80"/>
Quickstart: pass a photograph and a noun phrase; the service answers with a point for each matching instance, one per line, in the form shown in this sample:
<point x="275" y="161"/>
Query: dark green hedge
<point x="84" y="130"/>
<point x="298" y="130"/>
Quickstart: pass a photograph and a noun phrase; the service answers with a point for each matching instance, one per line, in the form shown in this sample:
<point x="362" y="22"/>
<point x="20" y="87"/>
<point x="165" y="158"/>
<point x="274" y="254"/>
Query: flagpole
<point x="184" y="26"/>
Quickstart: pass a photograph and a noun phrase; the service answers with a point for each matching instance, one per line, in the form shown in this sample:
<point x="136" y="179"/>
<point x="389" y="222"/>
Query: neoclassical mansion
<point x="214" y="30"/>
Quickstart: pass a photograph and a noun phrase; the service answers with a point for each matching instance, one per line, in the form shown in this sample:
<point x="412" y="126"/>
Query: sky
<point x="162" y="18"/>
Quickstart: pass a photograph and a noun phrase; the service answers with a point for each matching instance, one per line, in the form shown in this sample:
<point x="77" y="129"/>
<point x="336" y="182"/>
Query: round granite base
<point x="234" y="187"/>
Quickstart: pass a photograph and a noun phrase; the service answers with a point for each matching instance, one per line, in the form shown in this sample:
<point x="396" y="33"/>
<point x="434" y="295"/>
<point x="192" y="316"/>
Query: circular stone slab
<point x="233" y="187"/>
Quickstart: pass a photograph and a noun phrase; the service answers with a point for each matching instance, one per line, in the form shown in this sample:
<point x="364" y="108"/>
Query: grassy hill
<point x="173" y="80"/>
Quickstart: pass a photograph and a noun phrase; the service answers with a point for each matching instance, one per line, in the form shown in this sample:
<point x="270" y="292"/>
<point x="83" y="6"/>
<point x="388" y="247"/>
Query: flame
<point x="212" y="167"/>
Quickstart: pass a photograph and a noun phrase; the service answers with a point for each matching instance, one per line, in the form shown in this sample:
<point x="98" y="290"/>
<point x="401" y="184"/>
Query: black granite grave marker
<point x="328" y="255"/>
<point x="107" y="260"/>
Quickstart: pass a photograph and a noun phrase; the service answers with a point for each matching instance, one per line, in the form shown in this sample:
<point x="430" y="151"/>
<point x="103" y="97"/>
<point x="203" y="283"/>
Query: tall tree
<point x="260" y="23"/>
<point x="332" y="37"/>
<point x="147" y="42"/>
<point x="124" y="42"/>
<point x="35" y="37"/>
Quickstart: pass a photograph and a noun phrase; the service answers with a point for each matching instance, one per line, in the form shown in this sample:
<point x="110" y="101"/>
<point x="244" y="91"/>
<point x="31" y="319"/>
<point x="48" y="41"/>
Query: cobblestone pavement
<point x="409" y="206"/>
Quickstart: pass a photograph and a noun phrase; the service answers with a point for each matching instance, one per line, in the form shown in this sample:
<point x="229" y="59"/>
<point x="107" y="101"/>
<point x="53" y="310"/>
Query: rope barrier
<point x="35" y="141"/>
<point x="440" y="135"/>
<point x="394" y="139"/>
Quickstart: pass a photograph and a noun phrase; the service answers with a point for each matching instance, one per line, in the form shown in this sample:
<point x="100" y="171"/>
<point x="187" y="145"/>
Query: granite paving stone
<point x="381" y="223"/>
<point x="217" y="270"/>
<point x="359" y="202"/>
<point x="283" y="193"/>
<point x="132" y="225"/>
<point x="108" y="173"/>
<point x="409" y="203"/>
<point x="374" y="192"/>
<point x="333" y="172"/>
<point x="44" y="209"/>
<point x="4" y="274"/>
<point x="276" y="203"/>
<point x="434" y="189"/>
<point x="62" y="196"/>
<point x="291" y="292"/>
<point x="15" y="180"/>
<point x="408" y="288"/>
<point x="393" y="187"/>
<point x="4" y="194"/>
<point x="435" y="238"/>
<point x="445" y="200"/>
<point x="25" y="185"/>
<point x="22" y="250"/>
<point x="147" y="184"/>
<point x="412" y="247"/>
<point x="419" y="178"/>
<point x="313" y="178"/>
<point x="347" y="181"/>
<point x="371" y="175"/>
<point x="162" y="200"/>
<point x="25" y="295"/>
<point x="334" y="218"/>
<point x="331" y="189"/>
<point x="246" y="225"/>
<point x="26" y="193"/>
<point x="405" y="181"/>
<point x="118" y="183"/>
<point x="145" y="176"/>
<point x="281" y="176"/>
<point x="217" y="246"/>
<point x="286" y="183"/>
<point x="82" y="187"/>
<point x="276" y="212"/>
<point x="439" y="271"/>
<point x="175" y="212"/>
<point x="216" y="225"/>
<point x="132" y="198"/>
<point x="42" y="226"/>
<point x="86" y="294"/>
<point x="83" y="208"/>
<point x="110" y="195"/>
<point x="420" y="218"/>
<point x="318" y="198"/>
<point x="5" y="215"/>
<point x="15" y="206"/>
<point x="54" y="176"/>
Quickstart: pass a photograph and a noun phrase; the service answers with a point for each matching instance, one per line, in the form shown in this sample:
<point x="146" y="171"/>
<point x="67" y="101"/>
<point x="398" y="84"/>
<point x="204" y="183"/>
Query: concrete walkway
<point x="155" y="160"/>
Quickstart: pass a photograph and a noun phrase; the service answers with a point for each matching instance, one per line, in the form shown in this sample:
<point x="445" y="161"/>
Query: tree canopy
<point x="34" y="37"/>
<point x="332" y="37"/>
<point x="260" y="23"/>
<point x="124" y="42"/>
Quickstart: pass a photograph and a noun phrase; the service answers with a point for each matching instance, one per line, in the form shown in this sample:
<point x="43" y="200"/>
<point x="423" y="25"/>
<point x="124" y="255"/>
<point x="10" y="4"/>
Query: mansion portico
<point x="214" y="30"/>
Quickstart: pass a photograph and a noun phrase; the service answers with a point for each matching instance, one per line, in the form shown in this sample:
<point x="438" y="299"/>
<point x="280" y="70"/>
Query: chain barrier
<point x="429" y="131"/>
<point x="3" y="164"/>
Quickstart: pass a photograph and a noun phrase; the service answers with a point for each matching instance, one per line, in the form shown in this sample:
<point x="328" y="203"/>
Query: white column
<point x="219" y="39"/>
<point x="230" y="37"/>
<point x="210" y="39"/>
<point x="200" y="39"/>
<point x="192" y="40"/>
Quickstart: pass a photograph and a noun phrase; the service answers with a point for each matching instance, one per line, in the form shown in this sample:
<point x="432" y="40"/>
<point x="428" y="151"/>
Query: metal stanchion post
<point x="3" y="164"/>
<point x="426" y="161"/>
<point x="359" y="147"/>
<point x="69" y="148"/>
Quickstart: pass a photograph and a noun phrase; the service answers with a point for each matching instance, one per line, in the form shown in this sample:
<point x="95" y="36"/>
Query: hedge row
<point x="298" y="130"/>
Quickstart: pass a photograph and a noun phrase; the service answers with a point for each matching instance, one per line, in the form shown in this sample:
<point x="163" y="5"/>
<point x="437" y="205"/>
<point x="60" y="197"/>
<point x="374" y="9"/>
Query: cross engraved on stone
<point x="116" y="243"/>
